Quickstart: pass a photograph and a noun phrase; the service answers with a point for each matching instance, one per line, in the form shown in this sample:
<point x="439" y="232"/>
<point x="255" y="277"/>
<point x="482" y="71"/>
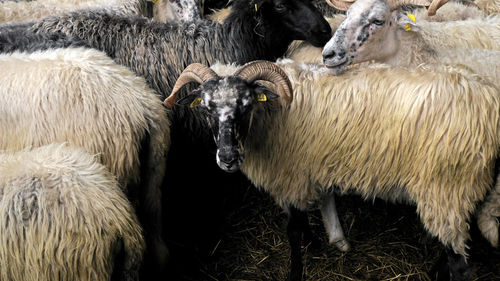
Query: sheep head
<point x="369" y="32"/>
<point x="292" y="19"/>
<point x="228" y="103"/>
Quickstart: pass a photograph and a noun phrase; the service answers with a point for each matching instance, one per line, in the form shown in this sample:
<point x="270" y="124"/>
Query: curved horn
<point x="394" y="4"/>
<point x="436" y="4"/>
<point x="195" y="72"/>
<point x="265" y="70"/>
<point x="339" y="4"/>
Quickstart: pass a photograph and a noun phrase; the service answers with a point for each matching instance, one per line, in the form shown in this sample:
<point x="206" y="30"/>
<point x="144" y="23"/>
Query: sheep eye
<point x="378" y="22"/>
<point x="280" y="7"/>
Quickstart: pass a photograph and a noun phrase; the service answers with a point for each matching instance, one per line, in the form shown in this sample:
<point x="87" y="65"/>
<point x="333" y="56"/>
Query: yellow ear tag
<point x="408" y="26"/>
<point x="261" y="97"/>
<point x="255" y="7"/>
<point x="195" y="103"/>
<point x="155" y="1"/>
<point x="412" y="17"/>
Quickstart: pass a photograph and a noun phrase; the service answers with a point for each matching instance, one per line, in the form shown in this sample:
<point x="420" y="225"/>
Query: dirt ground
<point x="388" y="243"/>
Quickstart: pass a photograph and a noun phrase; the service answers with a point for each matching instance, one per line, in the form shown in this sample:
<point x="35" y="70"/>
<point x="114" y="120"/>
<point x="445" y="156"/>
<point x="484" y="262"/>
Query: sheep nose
<point x="328" y="55"/>
<point x="228" y="156"/>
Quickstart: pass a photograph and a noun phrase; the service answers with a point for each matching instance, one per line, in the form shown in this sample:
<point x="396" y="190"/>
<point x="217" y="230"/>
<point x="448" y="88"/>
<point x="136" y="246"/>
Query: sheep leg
<point x="451" y="267"/>
<point x="332" y="223"/>
<point x="297" y="223"/>
<point x="458" y="267"/>
<point x="153" y="166"/>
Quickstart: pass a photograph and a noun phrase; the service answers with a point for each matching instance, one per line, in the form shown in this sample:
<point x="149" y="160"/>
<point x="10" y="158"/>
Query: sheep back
<point x="63" y="217"/>
<point x="479" y="33"/>
<point x="423" y="136"/>
<point x="15" y="11"/>
<point x="82" y="97"/>
<point x="451" y="11"/>
<point x="17" y="37"/>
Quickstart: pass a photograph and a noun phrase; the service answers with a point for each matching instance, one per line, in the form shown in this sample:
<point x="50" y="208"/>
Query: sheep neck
<point x="412" y="50"/>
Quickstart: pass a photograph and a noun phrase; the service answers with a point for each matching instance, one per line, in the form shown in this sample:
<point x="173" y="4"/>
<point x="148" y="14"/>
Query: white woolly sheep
<point x="63" y="217"/>
<point x="82" y="97"/>
<point x="162" y="10"/>
<point x="425" y="136"/>
<point x="371" y="31"/>
<point x="447" y="36"/>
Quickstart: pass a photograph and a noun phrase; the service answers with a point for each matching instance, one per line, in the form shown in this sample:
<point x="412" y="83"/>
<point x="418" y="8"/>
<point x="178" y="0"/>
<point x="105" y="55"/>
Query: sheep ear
<point x="193" y="100"/>
<point x="407" y="22"/>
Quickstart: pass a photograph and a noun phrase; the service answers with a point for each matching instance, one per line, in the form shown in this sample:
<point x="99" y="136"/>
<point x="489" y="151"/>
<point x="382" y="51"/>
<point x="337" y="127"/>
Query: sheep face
<point x="369" y="32"/>
<point x="298" y="19"/>
<point x="228" y="103"/>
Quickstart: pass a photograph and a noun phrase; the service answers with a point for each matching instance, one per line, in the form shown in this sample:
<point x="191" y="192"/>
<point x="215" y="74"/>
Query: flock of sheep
<point x="100" y="120"/>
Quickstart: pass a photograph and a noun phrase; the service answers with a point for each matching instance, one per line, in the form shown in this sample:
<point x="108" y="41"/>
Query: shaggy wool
<point x="83" y="97"/>
<point x="64" y="217"/>
<point x="425" y="136"/>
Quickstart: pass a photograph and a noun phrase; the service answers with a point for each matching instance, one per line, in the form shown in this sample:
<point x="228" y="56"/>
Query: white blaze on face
<point x="225" y="98"/>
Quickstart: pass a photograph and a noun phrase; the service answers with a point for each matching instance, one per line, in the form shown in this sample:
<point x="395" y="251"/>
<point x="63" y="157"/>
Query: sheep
<point x="450" y="35"/>
<point x="82" y="97"/>
<point x="162" y="10"/>
<point x="64" y="217"/>
<point x="474" y="32"/>
<point x="386" y="36"/>
<point x="247" y="34"/>
<point x="435" y="148"/>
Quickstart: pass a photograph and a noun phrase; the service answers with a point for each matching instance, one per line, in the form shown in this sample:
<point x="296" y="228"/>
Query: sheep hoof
<point x="342" y="245"/>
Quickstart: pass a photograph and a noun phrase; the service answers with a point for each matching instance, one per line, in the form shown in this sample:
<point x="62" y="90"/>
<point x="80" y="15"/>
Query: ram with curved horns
<point x="301" y="148"/>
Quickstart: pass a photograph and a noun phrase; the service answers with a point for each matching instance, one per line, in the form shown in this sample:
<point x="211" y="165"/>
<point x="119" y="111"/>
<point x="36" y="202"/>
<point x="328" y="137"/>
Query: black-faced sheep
<point x="82" y="97"/>
<point x="64" y="217"/>
<point x="426" y="136"/>
<point x="377" y="30"/>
